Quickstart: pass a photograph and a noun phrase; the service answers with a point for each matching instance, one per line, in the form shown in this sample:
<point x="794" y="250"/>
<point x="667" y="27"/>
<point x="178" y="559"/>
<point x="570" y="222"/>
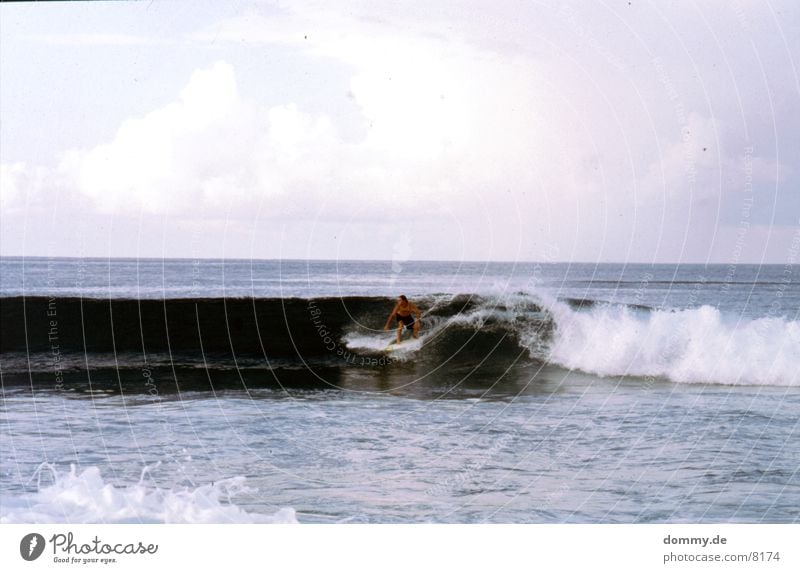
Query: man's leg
<point x="416" y="328"/>
<point x="399" y="331"/>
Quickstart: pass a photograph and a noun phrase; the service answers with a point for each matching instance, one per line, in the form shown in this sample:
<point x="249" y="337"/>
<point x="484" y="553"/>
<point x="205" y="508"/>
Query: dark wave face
<point x="137" y="345"/>
<point x="110" y="344"/>
<point x="268" y="327"/>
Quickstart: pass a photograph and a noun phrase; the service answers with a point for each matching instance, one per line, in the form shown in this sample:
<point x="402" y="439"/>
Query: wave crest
<point x="85" y="497"/>
<point x="699" y="345"/>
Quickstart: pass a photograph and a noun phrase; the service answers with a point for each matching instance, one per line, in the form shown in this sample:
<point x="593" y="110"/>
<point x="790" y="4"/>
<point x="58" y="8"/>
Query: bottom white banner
<point x="679" y="548"/>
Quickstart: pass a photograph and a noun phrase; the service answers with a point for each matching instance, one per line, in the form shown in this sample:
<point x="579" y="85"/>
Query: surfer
<point x="403" y="311"/>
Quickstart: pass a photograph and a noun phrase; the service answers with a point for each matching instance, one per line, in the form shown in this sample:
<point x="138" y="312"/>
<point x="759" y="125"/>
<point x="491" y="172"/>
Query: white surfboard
<point x="393" y="345"/>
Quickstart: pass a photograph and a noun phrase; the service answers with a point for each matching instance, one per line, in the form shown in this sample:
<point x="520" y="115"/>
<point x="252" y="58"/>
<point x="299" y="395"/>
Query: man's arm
<point x="388" y="320"/>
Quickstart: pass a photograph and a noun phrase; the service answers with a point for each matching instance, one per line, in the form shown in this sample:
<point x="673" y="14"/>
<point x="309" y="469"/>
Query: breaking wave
<point x="85" y="497"/>
<point x="696" y="345"/>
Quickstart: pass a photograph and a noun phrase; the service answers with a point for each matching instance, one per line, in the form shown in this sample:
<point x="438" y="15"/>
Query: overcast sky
<point x="528" y="130"/>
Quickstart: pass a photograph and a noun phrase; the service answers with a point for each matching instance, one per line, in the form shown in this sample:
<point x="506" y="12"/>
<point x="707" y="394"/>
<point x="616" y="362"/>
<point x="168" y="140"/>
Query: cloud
<point x="10" y="174"/>
<point x="434" y="135"/>
<point x="452" y="132"/>
<point x="19" y="183"/>
<point x="97" y="40"/>
<point x="479" y="142"/>
<point x="168" y="159"/>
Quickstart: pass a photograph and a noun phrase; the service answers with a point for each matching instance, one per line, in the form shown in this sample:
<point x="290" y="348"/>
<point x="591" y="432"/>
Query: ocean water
<point x="258" y="391"/>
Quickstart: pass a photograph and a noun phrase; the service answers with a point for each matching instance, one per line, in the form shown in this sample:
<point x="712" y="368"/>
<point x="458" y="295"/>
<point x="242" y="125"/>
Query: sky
<point x="608" y="131"/>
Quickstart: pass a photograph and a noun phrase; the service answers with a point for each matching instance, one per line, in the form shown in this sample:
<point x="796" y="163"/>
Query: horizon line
<point x="345" y="260"/>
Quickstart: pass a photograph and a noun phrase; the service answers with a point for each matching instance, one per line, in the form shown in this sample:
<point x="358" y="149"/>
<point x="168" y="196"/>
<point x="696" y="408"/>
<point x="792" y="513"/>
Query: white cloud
<point x="97" y="40"/>
<point x="435" y="131"/>
<point x="19" y="184"/>
<point x="488" y="143"/>
<point x="162" y="161"/>
<point x="9" y="186"/>
<point x="451" y="130"/>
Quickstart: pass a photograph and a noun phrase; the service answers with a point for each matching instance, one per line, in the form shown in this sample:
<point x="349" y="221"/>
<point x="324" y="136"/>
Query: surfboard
<point x="394" y="345"/>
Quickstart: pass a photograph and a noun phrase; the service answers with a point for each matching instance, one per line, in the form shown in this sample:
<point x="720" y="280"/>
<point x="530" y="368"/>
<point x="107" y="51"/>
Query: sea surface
<point x="217" y="391"/>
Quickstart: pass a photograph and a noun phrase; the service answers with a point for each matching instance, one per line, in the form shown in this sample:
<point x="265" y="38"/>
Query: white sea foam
<point x="85" y="497"/>
<point x="384" y="342"/>
<point x="379" y="343"/>
<point x="699" y="345"/>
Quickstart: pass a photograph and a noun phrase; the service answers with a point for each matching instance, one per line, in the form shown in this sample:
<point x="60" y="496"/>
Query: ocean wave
<point x="85" y="497"/>
<point x="698" y="345"/>
<point x="281" y="339"/>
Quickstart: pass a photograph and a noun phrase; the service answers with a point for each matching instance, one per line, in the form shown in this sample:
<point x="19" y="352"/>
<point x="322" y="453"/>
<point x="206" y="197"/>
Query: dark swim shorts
<point x="408" y="320"/>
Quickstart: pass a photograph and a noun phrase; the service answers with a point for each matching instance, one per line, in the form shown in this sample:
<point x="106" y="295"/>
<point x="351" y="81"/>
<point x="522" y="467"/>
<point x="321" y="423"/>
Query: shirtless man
<point x="403" y="310"/>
